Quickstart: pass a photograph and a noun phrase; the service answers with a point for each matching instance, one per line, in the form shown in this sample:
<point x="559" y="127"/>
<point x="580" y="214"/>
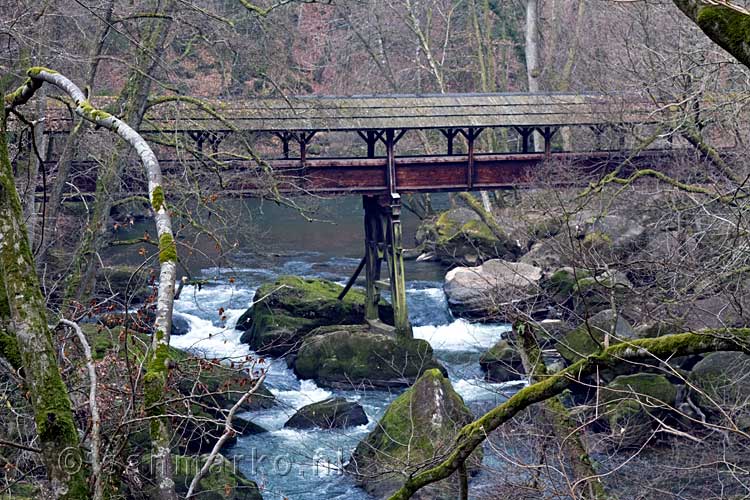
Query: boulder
<point x="581" y="291"/>
<point x="502" y="363"/>
<point x="222" y="482"/>
<point x="142" y="321"/>
<point x="720" y="378"/>
<point x="609" y="235"/>
<point x="415" y="431"/>
<point x="489" y="290"/>
<point x="589" y="336"/>
<point x="354" y="355"/>
<point x="625" y="398"/>
<point x="547" y="254"/>
<point x="458" y="236"/>
<point x="180" y="325"/>
<point x="287" y="310"/>
<point x="332" y="413"/>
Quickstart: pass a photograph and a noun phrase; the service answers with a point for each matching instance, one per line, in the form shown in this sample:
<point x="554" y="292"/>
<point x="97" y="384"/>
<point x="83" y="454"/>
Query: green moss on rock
<point x="353" y="355"/>
<point x="631" y="399"/>
<point x="502" y="363"/>
<point x="287" y="310"/>
<point x="721" y="383"/>
<point x="415" y="430"/>
<point x="588" y="337"/>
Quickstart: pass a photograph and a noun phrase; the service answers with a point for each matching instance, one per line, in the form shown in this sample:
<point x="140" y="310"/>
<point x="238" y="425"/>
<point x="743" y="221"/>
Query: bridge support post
<point x="373" y="256"/>
<point x="395" y="257"/>
<point x="383" y="240"/>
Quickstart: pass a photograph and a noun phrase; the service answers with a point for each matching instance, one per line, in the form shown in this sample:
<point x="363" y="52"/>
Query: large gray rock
<point x="416" y="429"/>
<point x="578" y="292"/>
<point x="492" y="289"/>
<point x="333" y="413"/>
<point x="632" y="401"/>
<point x="588" y="337"/>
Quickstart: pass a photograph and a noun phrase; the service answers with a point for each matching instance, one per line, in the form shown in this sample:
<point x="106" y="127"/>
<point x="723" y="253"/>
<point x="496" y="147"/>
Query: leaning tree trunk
<point x="155" y="379"/>
<point x="25" y="314"/>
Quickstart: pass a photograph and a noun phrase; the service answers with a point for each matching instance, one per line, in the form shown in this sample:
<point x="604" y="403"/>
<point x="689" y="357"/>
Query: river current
<point x="305" y="465"/>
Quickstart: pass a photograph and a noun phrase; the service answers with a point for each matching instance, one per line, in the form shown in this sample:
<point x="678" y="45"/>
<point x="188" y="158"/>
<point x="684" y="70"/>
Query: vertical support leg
<point x="547" y="142"/>
<point x="390" y="144"/>
<point x="373" y="256"/>
<point x="395" y="257"/>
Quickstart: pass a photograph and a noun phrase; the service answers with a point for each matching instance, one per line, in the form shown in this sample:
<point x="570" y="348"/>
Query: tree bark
<point x="726" y="24"/>
<point x="27" y="317"/>
<point x="533" y="71"/>
<point x="132" y="100"/>
<point x="155" y="379"/>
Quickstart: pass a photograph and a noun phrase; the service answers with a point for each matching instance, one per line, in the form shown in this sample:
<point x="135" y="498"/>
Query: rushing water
<point x="305" y="465"/>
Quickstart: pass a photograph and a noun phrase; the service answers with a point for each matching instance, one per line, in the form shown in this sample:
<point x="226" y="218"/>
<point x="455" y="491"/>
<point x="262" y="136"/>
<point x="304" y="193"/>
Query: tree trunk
<point x="158" y="363"/>
<point x="58" y="437"/>
<point x="71" y="141"/>
<point x="533" y="71"/>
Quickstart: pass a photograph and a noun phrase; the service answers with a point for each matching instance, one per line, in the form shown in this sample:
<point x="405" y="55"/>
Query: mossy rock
<point x="466" y="240"/>
<point x="502" y="363"/>
<point x="630" y="400"/>
<point x="458" y="236"/>
<point x="288" y="309"/>
<point x="223" y="386"/>
<point x="332" y="413"/>
<point x="218" y="388"/>
<point x="416" y="429"/>
<point x="223" y="481"/>
<point x="201" y="433"/>
<point x="588" y="337"/>
<point x="353" y="355"/>
<point x="582" y="291"/>
<point x="721" y="378"/>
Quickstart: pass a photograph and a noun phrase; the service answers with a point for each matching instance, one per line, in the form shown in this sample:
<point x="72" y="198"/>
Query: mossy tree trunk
<point x="24" y="305"/>
<point x="558" y="417"/>
<point x="68" y="149"/>
<point x="157" y="372"/>
<point x="727" y="25"/>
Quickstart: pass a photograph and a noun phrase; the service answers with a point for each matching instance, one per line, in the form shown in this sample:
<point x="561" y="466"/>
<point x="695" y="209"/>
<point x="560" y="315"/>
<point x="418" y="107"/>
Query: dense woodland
<point x="626" y="290"/>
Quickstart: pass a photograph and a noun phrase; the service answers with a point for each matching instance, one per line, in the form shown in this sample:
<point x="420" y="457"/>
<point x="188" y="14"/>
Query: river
<point x="305" y="465"/>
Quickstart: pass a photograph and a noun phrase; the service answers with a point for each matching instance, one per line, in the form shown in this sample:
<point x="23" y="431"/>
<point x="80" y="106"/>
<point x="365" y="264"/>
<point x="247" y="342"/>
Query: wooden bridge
<point x="380" y="174"/>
